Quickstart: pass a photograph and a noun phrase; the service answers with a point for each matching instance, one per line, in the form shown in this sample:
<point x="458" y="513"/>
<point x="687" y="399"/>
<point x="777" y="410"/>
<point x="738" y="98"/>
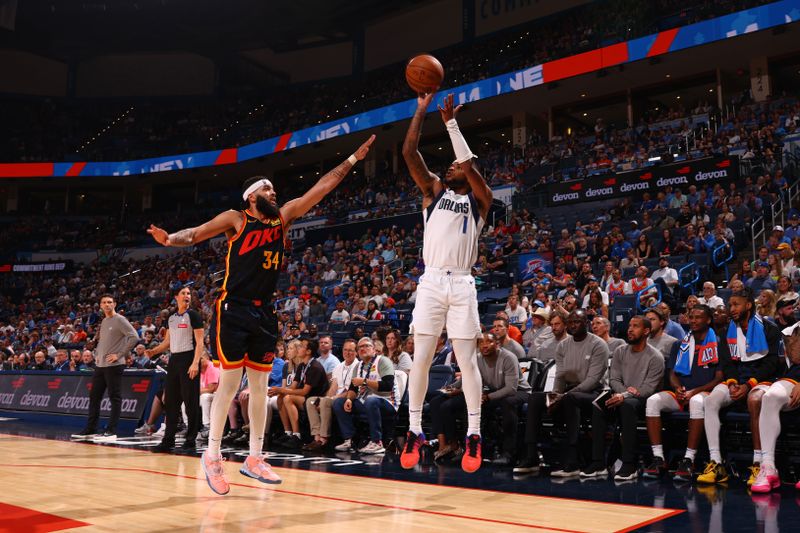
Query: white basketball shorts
<point x="449" y="299"/>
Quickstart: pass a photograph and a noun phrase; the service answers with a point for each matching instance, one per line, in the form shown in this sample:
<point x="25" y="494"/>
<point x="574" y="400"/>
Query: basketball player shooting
<point x="244" y="329"/>
<point x="454" y="212"/>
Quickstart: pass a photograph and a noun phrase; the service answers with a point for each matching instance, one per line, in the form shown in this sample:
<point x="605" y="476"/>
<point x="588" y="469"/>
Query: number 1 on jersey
<point x="464" y="229"/>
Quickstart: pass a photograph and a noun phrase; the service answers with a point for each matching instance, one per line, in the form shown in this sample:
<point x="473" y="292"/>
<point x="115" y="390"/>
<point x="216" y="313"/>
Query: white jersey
<point x="452" y="228"/>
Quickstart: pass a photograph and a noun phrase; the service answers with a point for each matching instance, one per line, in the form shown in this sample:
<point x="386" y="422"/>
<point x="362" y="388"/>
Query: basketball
<point x="424" y="74"/>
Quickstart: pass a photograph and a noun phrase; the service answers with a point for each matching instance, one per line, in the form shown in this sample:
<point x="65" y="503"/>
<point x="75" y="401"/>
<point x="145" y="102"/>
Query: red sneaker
<point x="410" y="456"/>
<point x="471" y="461"/>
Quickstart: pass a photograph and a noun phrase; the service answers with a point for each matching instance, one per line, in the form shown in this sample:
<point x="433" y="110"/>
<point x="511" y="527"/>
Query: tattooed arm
<point x="298" y="207"/>
<point x="228" y="222"/>
<point x="427" y="181"/>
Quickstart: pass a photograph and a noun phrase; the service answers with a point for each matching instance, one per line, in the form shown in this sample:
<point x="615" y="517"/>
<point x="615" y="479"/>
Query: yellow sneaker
<point x="754" y="470"/>
<point x="713" y="473"/>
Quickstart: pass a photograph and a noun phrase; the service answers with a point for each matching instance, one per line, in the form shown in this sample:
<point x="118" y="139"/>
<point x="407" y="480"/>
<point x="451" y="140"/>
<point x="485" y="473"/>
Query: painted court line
<point x="318" y="496"/>
<point x="666" y="513"/>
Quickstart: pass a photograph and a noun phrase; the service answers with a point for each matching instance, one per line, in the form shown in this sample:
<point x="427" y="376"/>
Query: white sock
<point x="757" y="456"/>
<point x="658" y="450"/>
<point x="424" y="348"/>
<point x="288" y="433"/>
<point x="257" y="409"/>
<point x="296" y="435"/>
<point x="466" y="352"/>
<point x="690" y="453"/>
<point x="229" y="381"/>
<point x="715" y="455"/>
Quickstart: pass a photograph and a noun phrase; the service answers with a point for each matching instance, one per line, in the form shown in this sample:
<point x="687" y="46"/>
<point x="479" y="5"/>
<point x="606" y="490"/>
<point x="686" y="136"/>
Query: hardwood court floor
<point x="127" y="490"/>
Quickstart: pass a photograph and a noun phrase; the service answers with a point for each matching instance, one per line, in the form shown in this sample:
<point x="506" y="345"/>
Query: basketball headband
<point x="254" y="187"/>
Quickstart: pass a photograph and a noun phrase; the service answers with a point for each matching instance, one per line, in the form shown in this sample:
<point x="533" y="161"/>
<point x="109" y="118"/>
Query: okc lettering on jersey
<point x="259" y="237"/>
<point x="455" y="207"/>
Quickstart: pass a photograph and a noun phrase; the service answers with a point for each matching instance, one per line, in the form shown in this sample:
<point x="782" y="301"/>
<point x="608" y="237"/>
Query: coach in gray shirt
<point x="116" y="338"/>
<point x="581" y="362"/>
<point x="637" y="370"/>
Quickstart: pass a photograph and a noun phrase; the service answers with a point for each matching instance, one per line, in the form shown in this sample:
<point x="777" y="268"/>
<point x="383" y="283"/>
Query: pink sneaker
<point x="766" y="480"/>
<point x="215" y="474"/>
<point x="256" y="468"/>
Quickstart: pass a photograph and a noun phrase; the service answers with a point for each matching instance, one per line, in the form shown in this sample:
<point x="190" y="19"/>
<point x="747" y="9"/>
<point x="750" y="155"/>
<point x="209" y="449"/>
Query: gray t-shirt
<point x="504" y="377"/>
<point x="117" y="336"/>
<point x="663" y="344"/>
<point x="580" y="366"/>
<point x="643" y="371"/>
<point x="514" y="347"/>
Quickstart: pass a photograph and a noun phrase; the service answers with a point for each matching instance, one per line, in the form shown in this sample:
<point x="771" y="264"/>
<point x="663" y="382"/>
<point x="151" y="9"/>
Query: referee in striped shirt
<point x="184" y="339"/>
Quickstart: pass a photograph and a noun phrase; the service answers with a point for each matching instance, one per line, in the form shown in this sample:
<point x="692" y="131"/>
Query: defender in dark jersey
<point x="244" y="329"/>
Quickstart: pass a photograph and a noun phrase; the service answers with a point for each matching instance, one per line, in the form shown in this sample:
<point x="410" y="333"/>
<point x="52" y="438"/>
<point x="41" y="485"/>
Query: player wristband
<point x="352" y="160"/>
<point x="460" y="148"/>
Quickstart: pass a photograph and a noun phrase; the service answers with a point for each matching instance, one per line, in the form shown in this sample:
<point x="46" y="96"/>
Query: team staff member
<point x="185" y="341"/>
<point x="244" y="331"/>
<point x="115" y="338"/>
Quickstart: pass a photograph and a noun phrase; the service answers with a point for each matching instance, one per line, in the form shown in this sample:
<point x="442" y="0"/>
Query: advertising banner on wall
<point x="700" y="33"/>
<point x="700" y="172"/>
<point x="68" y="393"/>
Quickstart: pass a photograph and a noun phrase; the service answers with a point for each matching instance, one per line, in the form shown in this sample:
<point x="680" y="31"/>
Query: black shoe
<point x="685" y="471"/>
<point x="656" y="469"/>
<point x="503" y="459"/>
<point x="566" y="471"/>
<point x="244" y="438"/>
<point x="85" y="434"/>
<point x="189" y="444"/>
<point x="626" y="472"/>
<point x="526" y="466"/>
<point x="595" y="469"/>
<point x="281" y="440"/>
<point x="231" y="436"/>
<point x="163" y="447"/>
<point x="107" y="436"/>
<point x="204" y="433"/>
<point x="293" y="442"/>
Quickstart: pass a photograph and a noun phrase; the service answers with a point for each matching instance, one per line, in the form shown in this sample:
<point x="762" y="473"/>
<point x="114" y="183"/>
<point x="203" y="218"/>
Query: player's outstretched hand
<point x="160" y="235"/>
<point x="424" y="100"/>
<point x="362" y="151"/>
<point x="448" y="112"/>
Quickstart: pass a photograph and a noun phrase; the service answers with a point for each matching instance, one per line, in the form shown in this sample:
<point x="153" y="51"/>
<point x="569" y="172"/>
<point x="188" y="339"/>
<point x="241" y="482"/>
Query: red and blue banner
<point x="672" y="40"/>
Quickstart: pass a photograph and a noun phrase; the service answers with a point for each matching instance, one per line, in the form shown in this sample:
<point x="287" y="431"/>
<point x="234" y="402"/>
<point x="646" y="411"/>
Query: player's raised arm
<point x="465" y="159"/>
<point x="227" y="222"/>
<point x="427" y="181"/>
<point x="298" y="207"/>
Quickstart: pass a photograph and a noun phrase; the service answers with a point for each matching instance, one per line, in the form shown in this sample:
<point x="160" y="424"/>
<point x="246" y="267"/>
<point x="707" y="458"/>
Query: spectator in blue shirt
<point x="793" y="230"/>
<point x="633" y="235"/>
<point x="620" y="248"/>
<point x="762" y="280"/>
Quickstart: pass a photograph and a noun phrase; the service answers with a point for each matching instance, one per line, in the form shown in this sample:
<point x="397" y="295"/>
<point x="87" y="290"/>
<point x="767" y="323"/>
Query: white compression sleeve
<point x="769" y="422"/>
<point x="424" y="348"/>
<point x="229" y="381"/>
<point x="460" y="148"/>
<point x="466" y="352"/>
<point x="257" y="409"/>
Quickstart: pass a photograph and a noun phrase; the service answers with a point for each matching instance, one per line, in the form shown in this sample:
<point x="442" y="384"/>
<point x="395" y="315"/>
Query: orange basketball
<point x="424" y="74"/>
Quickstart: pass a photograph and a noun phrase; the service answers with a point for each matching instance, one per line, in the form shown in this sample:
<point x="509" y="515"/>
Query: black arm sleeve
<point x="195" y="319"/>
<point x="386" y="383"/>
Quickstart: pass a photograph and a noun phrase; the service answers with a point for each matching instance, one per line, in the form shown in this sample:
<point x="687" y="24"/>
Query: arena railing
<point x="720" y="259"/>
<point x="647" y="290"/>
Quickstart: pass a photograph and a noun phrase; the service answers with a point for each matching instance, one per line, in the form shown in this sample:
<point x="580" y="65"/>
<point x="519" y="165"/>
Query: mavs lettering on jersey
<point x="452" y="227"/>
